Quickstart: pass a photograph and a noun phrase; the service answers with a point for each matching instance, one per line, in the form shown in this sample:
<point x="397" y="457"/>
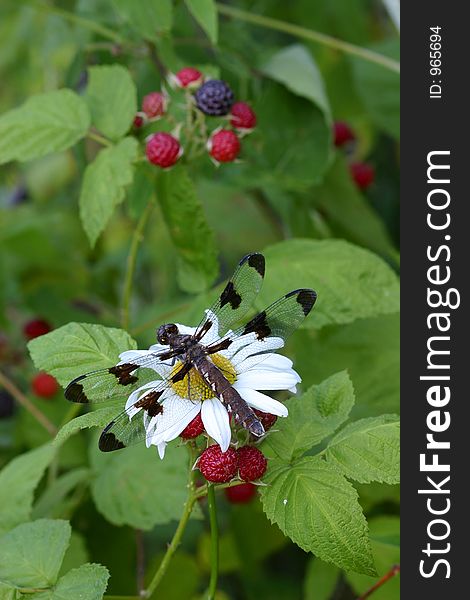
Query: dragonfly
<point x="188" y="354"/>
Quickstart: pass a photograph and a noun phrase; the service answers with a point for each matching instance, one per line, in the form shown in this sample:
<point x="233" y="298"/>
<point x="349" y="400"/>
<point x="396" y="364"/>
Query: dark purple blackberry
<point x="214" y="98"/>
<point x="7" y="404"/>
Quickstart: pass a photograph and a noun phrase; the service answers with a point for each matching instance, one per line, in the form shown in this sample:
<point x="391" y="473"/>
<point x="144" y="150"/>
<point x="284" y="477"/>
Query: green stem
<point x="131" y="262"/>
<point x="99" y="138"/>
<point x="310" y="34"/>
<point x="83" y="22"/>
<point x="175" y="542"/>
<point x="214" y="542"/>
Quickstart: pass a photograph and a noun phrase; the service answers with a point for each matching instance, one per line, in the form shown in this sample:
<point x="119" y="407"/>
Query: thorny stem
<point x="393" y="571"/>
<point x="310" y="34"/>
<point x="131" y="262"/>
<point x="30" y="407"/>
<point x="214" y="542"/>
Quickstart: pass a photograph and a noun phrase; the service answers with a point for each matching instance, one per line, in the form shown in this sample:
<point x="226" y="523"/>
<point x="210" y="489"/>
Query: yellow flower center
<point x="195" y="384"/>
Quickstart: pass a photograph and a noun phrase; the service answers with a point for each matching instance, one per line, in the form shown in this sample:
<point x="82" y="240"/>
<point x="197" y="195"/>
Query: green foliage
<point x="83" y="347"/>
<point x="320" y="581"/>
<point x="128" y="485"/>
<point x="87" y="582"/>
<point x="351" y="283"/>
<point x="148" y="18"/>
<point x="194" y="241"/>
<point x="205" y="13"/>
<point x="111" y="96"/>
<point x="368" y="450"/>
<point x="45" y="123"/>
<point x="18" y="480"/>
<point x="97" y="418"/>
<point x="104" y="183"/>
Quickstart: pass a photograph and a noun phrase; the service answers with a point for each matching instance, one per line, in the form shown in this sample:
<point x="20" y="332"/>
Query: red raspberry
<point x="251" y="463"/>
<point x="243" y="117"/>
<point x="267" y="419"/>
<point x="218" y="466"/>
<point x="223" y="145"/>
<point x="188" y="78"/>
<point x="342" y="133"/>
<point x="139" y="121"/>
<point x="44" y="385"/>
<point x="240" y="494"/>
<point x="154" y="105"/>
<point x="35" y="328"/>
<point x="163" y="150"/>
<point x="363" y="174"/>
<point x="195" y="428"/>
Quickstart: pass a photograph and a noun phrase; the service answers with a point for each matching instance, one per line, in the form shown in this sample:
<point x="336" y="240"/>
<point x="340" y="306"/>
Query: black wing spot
<point x="306" y="298"/>
<point x="123" y="373"/>
<point x="230" y="296"/>
<point x="151" y="404"/>
<point x="75" y="392"/>
<point x="258" y="325"/>
<point x="257" y="262"/>
<point x="108" y="442"/>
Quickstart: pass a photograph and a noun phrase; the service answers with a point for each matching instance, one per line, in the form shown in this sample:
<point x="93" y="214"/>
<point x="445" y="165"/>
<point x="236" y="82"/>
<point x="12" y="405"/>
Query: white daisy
<point x="241" y="365"/>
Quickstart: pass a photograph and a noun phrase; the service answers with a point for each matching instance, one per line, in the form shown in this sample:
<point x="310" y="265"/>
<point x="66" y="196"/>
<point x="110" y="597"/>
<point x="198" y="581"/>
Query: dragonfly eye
<point x="164" y="332"/>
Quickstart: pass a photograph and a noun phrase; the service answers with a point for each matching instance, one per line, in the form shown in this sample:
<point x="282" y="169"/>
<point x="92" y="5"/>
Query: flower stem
<point x="391" y="573"/>
<point x="99" y="138"/>
<point x="26" y="402"/>
<point x="214" y="542"/>
<point x="310" y="34"/>
<point x="175" y="542"/>
<point x="131" y="262"/>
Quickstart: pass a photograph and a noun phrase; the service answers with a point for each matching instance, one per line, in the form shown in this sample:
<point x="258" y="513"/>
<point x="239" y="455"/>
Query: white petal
<point x="216" y="422"/>
<point x="177" y="414"/>
<point x="238" y="343"/>
<point x="136" y="395"/>
<point x="262" y="402"/>
<point x="293" y="389"/>
<point x="155" y="348"/>
<point x="152" y="362"/>
<point x="185" y="330"/>
<point x="161" y="449"/>
<point x="254" y="350"/>
<point x="272" y="362"/>
<point x="130" y="355"/>
<point x="258" y="379"/>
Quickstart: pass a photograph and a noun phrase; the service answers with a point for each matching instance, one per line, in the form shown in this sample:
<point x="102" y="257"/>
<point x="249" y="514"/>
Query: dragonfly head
<point x="166" y="332"/>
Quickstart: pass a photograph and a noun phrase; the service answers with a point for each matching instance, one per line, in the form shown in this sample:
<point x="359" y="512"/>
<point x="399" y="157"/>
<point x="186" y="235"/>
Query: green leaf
<point x="45" y="123"/>
<point x="320" y="580"/>
<point x="53" y="501"/>
<point x="31" y="554"/>
<point x="205" y="13"/>
<point x="134" y="487"/>
<point x="96" y="418"/>
<point x="77" y="348"/>
<point x="385" y="541"/>
<point x="18" y="480"/>
<point x="112" y="99"/>
<point x="351" y="282"/>
<point x="318" y="509"/>
<point x="368" y="450"/>
<point x="88" y="582"/>
<point x="191" y="235"/>
<point x="75" y="555"/>
<point x="104" y="184"/>
<point x="148" y="18"/>
<point x="7" y="592"/>
<point x="312" y="416"/>
<point x="379" y="88"/>
<point x="295" y="67"/>
<point x="181" y="579"/>
<point x="349" y="213"/>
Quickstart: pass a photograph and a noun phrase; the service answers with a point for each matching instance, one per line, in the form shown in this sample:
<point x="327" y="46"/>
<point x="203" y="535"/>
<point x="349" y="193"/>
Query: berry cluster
<point x="211" y="98"/>
<point x="363" y="174"/>
<point x="220" y="467"/>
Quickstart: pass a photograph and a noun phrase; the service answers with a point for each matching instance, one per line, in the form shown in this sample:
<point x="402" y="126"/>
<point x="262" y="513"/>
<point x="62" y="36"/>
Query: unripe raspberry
<point x="267" y="419"/>
<point x="139" y="121"/>
<point x="214" y="98"/>
<point x="36" y="327"/>
<point x="44" y="385"/>
<point x="218" y="466"/>
<point x="188" y="78"/>
<point x="243" y="117"/>
<point x="195" y="428"/>
<point x="224" y="145"/>
<point x="342" y="133"/>
<point x="251" y="463"/>
<point x="154" y="105"/>
<point x="363" y="174"/>
<point x="163" y="150"/>
<point x="240" y="494"/>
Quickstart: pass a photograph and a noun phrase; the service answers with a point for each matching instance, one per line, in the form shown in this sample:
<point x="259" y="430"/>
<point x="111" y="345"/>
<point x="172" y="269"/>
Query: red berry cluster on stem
<point x="362" y="173"/>
<point x="222" y="467"/>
